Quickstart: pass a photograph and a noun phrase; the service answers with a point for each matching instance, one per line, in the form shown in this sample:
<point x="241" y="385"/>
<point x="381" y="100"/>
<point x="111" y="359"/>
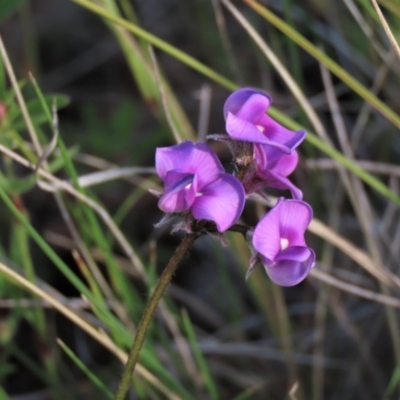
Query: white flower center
<point x="260" y="128"/>
<point x="284" y="244"/>
<point x="188" y="186"/>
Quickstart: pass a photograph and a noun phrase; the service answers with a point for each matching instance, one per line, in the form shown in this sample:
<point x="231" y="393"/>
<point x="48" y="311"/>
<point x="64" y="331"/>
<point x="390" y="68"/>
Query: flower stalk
<point x="147" y="316"/>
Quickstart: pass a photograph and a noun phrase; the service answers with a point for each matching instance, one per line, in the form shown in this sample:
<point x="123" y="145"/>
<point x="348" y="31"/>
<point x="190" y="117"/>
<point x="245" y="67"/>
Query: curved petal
<point x="281" y="164"/>
<point x="280" y="182"/>
<point x="180" y="192"/>
<point x="267" y="235"/>
<point x="191" y="158"/>
<point x="205" y="164"/>
<point x="173" y="157"/>
<point x="275" y="132"/>
<point x="292" y="266"/>
<point x="236" y="100"/>
<point x="254" y="108"/>
<point x="241" y="129"/>
<point x="222" y="202"/>
<point x="295" y="216"/>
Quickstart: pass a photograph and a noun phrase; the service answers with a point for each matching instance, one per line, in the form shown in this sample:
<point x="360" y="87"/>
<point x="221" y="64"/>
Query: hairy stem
<point x="147" y="316"/>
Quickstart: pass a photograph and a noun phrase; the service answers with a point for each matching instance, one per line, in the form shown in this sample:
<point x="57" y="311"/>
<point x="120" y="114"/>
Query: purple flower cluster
<point x="196" y="185"/>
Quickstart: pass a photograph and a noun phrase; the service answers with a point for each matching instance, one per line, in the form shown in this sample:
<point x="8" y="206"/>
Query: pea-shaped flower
<point x="195" y="181"/>
<point x="246" y="120"/>
<point x="274" y="168"/>
<point x="279" y="241"/>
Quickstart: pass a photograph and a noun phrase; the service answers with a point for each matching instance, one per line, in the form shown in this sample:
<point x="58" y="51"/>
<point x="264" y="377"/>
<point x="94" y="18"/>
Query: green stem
<point x="147" y="316"/>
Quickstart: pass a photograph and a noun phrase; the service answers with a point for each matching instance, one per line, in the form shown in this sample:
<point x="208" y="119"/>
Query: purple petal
<point x="269" y="158"/>
<point x="236" y="100"/>
<point x="241" y="129"/>
<point x="288" y="221"/>
<point x="222" y="201"/>
<point x="291" y="266"/>
<point x="254" y="108"/>
<point x="179" y="194"/>
<point x="206" y="164"/>
<point x="275" y="132"/>
<point x="173" y="157"/>
<point x="282" y="164"/>
<point x="281" y="182"/>
<point x="191" y="158"/>
<point x="267" y="237"/>
<point x="295" y="216"/>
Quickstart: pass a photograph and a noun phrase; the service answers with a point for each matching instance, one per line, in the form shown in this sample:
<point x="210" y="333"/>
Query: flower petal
<point x="179" y="194"/>
<point x="192" y="158"/>
<point x="221" y="201"/>
<point x="173" y="157"/>
<point x="281" y="164"/>
<point x="239" y="97"/>
<point x="267" y="237"/>
<point x="295" y="216"/>
<point x="280" y="182"/>
<point x="241" y="129"/>
<point x="205" y="163"/>
<point x="254" y="108"/>
<point x="292" y="266"/>
<point x="275" y="132"/>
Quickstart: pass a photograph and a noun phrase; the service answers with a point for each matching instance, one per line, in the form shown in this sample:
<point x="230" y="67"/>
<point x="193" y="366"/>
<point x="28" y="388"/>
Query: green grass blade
<point x="139" y="62"/>
<point x="205" y="371"/>
<point x="375" y="183"/>
<point x="280" y="117"/>
<point x="159" y="43"/>
<point x="394" y="381"/>
<point x="50" y="253"/>
<point x="92" y="377"/>
<point x="335" y="68"/>
<point x="121" y="284"/>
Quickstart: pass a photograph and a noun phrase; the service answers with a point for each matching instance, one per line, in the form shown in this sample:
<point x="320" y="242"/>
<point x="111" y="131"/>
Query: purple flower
<point x="194" y="180"/>
<point x="274" y="167"/>
<point x="246" y="120"/>
<point x="279" y="240"/>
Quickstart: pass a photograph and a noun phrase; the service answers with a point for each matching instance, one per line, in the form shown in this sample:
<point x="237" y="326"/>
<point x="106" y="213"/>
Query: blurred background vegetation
<point x="79" y="254"/>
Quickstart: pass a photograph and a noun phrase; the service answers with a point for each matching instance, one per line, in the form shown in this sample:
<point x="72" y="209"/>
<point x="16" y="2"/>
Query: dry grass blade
<point x="387" y="28"/>
<point x="370" y="166"/>
<point x="62" y="185"/>
<point x="161" y="89"/>
<point x="42" y="162"/>
<point x="361" y="204"/>
<point x="99" y="336"/>
<point x="360" y="257"/>
<point x="20" y="99"/>
<point x="204" y="95"/>
<point x="280" y="69"/>
<point x="53" y="143"/>
<point x="365" y="28"/>
<point x="323" y="231"/>
<point x="96" y="178"/>
<point x="353" y="289"/>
